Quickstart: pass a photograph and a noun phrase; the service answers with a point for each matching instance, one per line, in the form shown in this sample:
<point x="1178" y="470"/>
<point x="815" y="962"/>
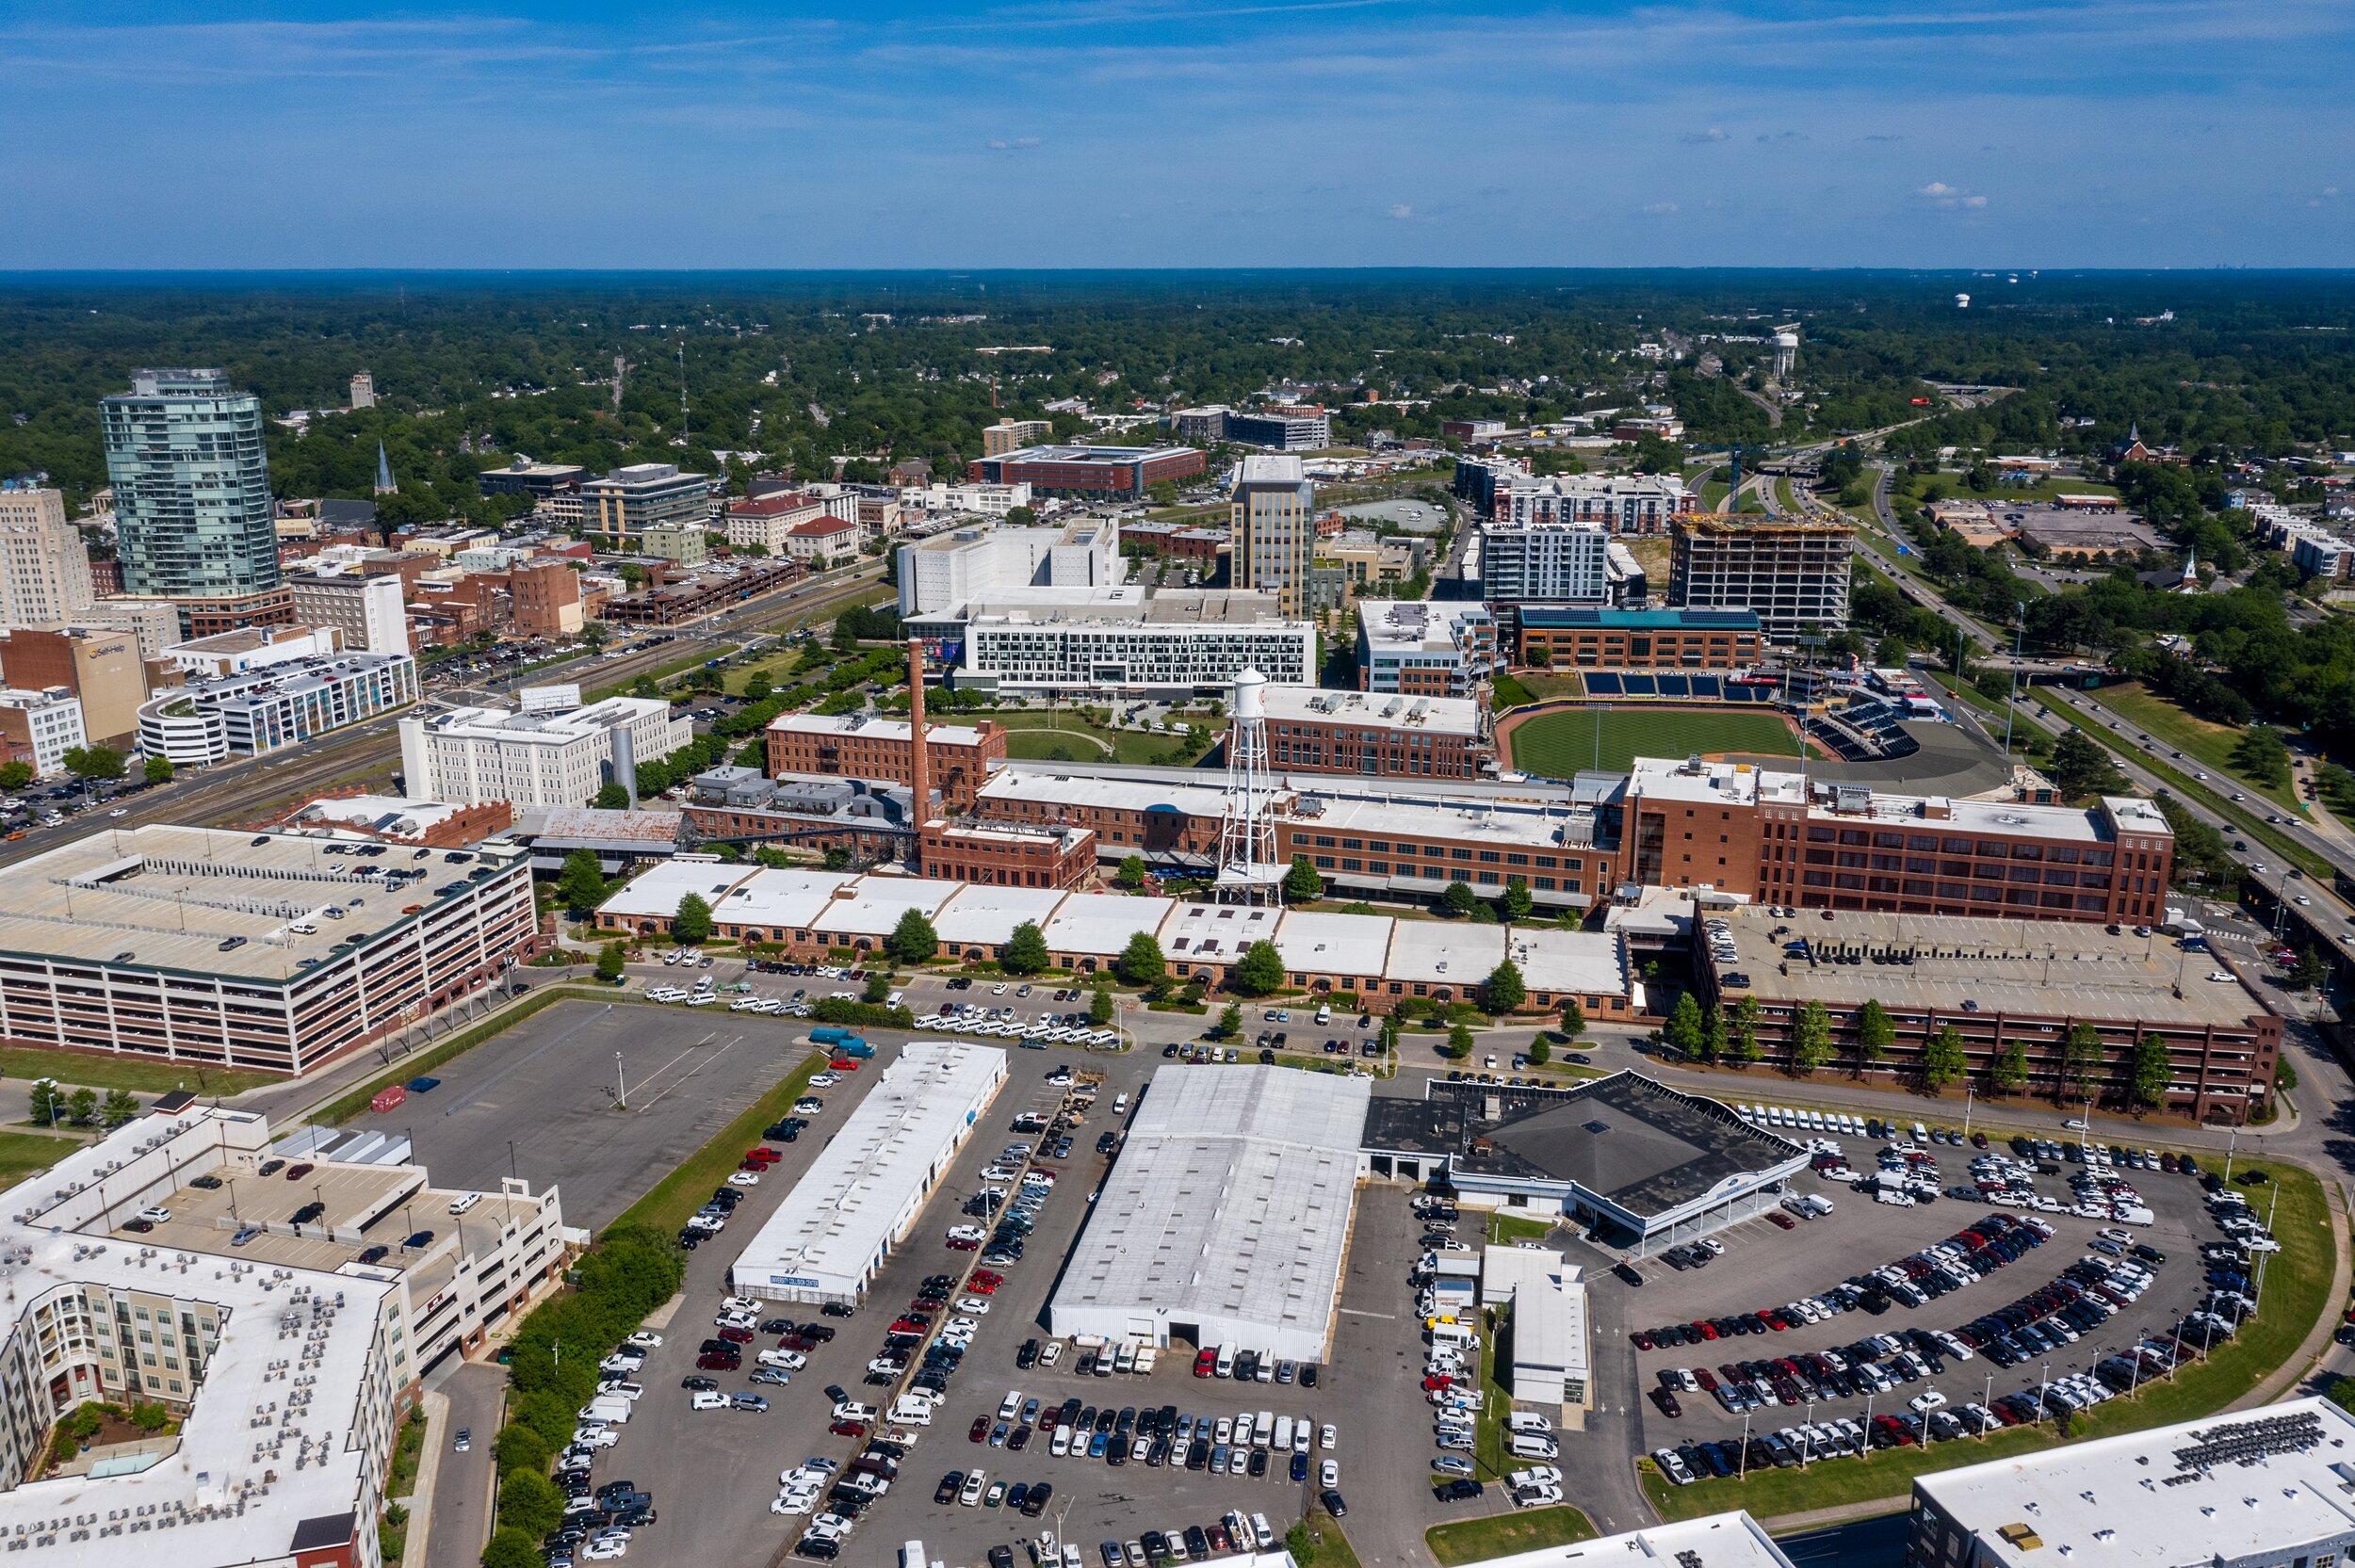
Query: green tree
<point x="610" y="795"/>
<point x="49" y="1102"/>
<point x="1811" y="1042"/>
<point x="845" y="636"/>
<point x="772" y="857"/>
<point x="691" y="923"/>
<point x="1874" y="1034"/>
<point x="610" y="962"/>
<point x="120" y="1105"/>
<point x="1541" y="1051"/>
<point x="15" y="775"/>
<point x="2083" y="766"/>
<point x="1516" y="905"/>
<point x="1505" y="991"/>
<point x="1573" y="1018"/>
<point x="1020" y="517"/>
<point x="81" y="1107"/>
<point x="1141" y="963"/>
<point x="1132" y="873"/>
<point x="580" y="885"/>
<point x="758" y="687"/>
<point x="94" y="762"/>
<point x="1026" y="950"/>
<point x="2009" y="1072"/>
<point x="2311" y="970"/>
<point x="2259" y="753"/>
<point x="1684" y="1029"/>
<point x="643" y="687"/>
<point x="1717" y="1038"/>
<point x="913" y="941"/>
<point x="1942" y="1061"/>
<point x="1100" y="1004"/>
<point x="2081" y="1059"/>
<point x="1459" y="1041"/>
<point x="158" y="770"/>
<point x="836" y="858"/>
<point x="529" y="1502"/>
<point x="1260" y="971"/>
<point x="1459" y="899"/>
<point x="1301" y="882"/>
<point x="519" y="1448"/>
<point x="2154" y="1071"/>
<point x="1229" y="1022"/>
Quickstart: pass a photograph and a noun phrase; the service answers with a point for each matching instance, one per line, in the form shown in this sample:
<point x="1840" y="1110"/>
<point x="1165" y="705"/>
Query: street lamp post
<point x="1967" y="1093"/>
<point x="621" y="1090"/>
<point x="2011" y="700"/>
<point x="2042" y="1389"/>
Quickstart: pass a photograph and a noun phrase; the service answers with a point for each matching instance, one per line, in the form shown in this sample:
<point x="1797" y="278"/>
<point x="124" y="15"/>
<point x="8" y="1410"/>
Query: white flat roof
<point x="1505" y="1269"/>
<point x="874" y="906"/>
<point x="873" y="728"/>
<point x="1217" y="933"/>
<point x="989" y="914"/>
<point x="655" y="893"/>
<point x="1123" y="792"/>
<point x="1231" y="1200"/>
<point x="1550" y="1335"/>
<point x="1373" y="709"/>
<point x="1559" y="961"/>
<point x="780" y="898"/>
<point x="866" y="1185"/>
<point x="1456" y="955"/>
<point x="2127" y="1499"/>
<point x="210" y="1490"/>
<point x="1104" y="922"/>
<point x="1335" y="944"/>
<point x="1715" y="1540"/>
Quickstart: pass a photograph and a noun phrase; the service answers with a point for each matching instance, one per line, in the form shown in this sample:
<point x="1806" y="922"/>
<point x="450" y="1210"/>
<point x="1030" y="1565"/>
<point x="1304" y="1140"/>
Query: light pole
<point x="2042" y="1389"/>
<point x="1987" y="1403"/>
<point x="2011" y="699"/>
<point x="621" y="1090"/>
<point x="2231" y="1141"/>
<point x="1743" y="1471"/>
<point x="1967" y="1093"/>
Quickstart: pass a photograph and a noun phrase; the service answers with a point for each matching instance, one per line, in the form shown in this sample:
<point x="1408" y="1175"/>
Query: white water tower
<point x="1248" y="871"/>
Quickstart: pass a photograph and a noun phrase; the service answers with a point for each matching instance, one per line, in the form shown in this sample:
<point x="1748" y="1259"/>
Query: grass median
<point x="137" y="1073"/>
<point x="1500" y="1534"/>
<point x="669" y="1201"/>
<point x="2297" y="1285"/>
<point x="22" y="1154"/>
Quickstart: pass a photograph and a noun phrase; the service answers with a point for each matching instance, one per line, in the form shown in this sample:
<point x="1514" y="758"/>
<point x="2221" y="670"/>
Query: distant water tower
<point x="1248" y="872"/>
<point x="1786" y="352"/>
<point x="1963" y="302"/>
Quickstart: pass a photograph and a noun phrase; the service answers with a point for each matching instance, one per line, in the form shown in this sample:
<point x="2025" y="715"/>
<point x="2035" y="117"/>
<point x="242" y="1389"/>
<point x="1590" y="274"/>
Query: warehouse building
<point x="1714" y="1541"/>
<point x="1552" y="1359"/>
<point x="2259" y="1488"/>
<point x="1089" y="471"/>
<point x="1226" y="1219"/>
<point x="1642" y="1163"/>
<point x="271" y="951"/>
<point x="867" y="1189"/>
<point x="2000" y="984"/>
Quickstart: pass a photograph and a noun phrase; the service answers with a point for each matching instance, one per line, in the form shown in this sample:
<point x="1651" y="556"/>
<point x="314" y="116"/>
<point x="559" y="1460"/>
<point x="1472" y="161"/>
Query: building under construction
<point x="1793" y="572"/>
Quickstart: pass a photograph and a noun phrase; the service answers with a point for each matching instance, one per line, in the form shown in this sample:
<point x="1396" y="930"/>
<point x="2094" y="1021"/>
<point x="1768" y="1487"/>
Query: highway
<point x="248" y="787"/>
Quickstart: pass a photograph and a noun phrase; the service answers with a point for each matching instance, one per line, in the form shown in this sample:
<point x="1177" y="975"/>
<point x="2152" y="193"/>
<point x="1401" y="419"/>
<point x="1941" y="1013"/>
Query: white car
<point x="1926" y="1401"/>
<point x="604" y="1550"/>
<point x="743" y="1178"/>
<point x="794" y="1502"/>
<point x="791" y="1361"/>
<point x="967" y="1233"/>
<point x="823" y="1080"/>
<point x="1329" y="1473"/>
<point x="977" y="1305"/>
<point x="1327" y="1438"/>
<point x="645" y="1339"/>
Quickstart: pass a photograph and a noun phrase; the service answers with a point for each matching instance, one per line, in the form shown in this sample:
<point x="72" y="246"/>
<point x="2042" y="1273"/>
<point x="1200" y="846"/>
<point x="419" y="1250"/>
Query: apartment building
<point x="1618" y="503"/>
<point x="255" y="710"/>
<point x="1007" y="854"/>
<point x="764" y="521"/>
<point x="1178" y="644"/>
<point x="1272" y="530"/>
<point x="990" y="564"/>
<point x="191" y="486"/>
<point x="368" y="610"/>
<point x="1282" y="427"/>
<point x="204" y="946"/>
<point x="44" y="569"/>
<point x="1544" y="560"/>
<point x="1793" y="574"/>
<point x="1424" y="648"/>
<point x="855" y="746"/>
<point x="473" y="754"/>
<point x="39" y="727"/>
<point x="545" y="600"/>
<point x="1012" y="435"/>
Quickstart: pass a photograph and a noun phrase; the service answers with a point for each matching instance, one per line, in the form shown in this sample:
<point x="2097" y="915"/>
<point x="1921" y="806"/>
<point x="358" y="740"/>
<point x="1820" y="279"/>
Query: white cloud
<point x="1660" y="209"/>
<point x="1401" y="209"/>
<point x="1715" y="133"/>
<point x="1019" y="144"/>
<point x="1951" y="198"/>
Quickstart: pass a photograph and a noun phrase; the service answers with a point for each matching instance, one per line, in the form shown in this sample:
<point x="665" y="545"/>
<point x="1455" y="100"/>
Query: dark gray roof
<point x="1400" y="1127"/>
<point x="328" y="1529"/>
<point x="1626" y="1139"/>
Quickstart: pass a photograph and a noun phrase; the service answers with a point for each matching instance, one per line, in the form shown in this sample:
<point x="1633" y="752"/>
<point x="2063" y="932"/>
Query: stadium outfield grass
<point x="1559" y="744"/>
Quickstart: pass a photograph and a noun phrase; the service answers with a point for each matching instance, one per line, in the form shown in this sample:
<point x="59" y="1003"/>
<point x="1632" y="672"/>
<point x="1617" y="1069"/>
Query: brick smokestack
<point x="919" y="763"/>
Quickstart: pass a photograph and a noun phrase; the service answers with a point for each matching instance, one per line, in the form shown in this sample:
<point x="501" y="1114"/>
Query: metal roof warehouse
<point x="1226" y="1219"/>
<point x="867" y="1189"/>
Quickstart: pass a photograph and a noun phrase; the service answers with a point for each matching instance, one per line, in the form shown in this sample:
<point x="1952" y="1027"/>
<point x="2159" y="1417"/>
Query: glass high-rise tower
<point x="191" y="485"/>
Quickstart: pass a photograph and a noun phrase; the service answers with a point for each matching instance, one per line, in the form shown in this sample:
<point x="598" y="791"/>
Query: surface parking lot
<point x="1764" y="1267"/>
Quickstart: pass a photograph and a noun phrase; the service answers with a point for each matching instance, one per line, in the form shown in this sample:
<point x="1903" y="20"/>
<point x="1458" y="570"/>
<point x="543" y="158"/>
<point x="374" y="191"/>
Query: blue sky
<point x="1146" y="133"/>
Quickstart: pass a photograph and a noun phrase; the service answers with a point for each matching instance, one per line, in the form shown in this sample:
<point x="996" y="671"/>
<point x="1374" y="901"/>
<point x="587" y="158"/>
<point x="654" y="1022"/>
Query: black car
<point x="1001" y="1556"/>
<point x="1334" y="1503"/>
<point x="1627" y="1274"/>
<point x="1461" y="1490"/>
<point x="1035" y="1505"/>
<point x="695" y="1382"/>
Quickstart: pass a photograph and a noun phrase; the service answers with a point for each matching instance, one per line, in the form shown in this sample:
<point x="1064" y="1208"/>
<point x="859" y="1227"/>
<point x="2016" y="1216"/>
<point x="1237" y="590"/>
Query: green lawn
<point x="1505" y="1229"/>
<point x="1502" y="1534"/>
<point x="2297" y="1284"/>
<point x="137" y="1073"/>
<point x="1037" y="735"/>
<point x="1958" y="489"/>
<point x="2207" y="743"/>
<point x="2028" y="738"/>
<point x="22" y="1154"/>
<point x="1533" y="686"/>
<point x="1557" y="745"/>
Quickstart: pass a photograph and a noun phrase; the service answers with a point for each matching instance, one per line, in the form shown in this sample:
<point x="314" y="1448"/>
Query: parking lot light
<point x="2042" y="1389"/>
<point x="1807" y="1435"/>
<point x="1988" y="1404"/>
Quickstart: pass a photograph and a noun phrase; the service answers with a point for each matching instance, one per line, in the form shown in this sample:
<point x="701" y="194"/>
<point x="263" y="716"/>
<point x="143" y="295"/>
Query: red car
<point x="1205" y="1361"/>
<point x="911" y="1323"/>
<point x="959" y="1244"/>
<point x="712" y="1361"/>
<point x="990" y="1277"/>
<point x="1436" y="1381"/>
<point x="1781" y="1221"/>
<point x="764" y="1154"/>
<point x="1706" y="1329"/>
<point x="848" y="1428"/>
<point x="843" y="1064"/>
<point x="978" y="1432"/>
<point x="984" y="1288"/>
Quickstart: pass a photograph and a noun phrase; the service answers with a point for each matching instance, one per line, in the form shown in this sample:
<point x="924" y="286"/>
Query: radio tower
<point x="1248" y="872"/>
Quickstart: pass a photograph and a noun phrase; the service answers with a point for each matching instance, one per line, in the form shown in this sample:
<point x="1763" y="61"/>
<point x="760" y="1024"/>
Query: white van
<point x="915" y="1412"/>
<point x="1455" y="1336"/>
<point x="1531" y="1445"/>
<point x="1527" y="1420"/>
<point x="1125" y="1360"/>
<point x="1120" y="1104"/>
<point x="463" y="1202"/>
<point x="1325" y="1014"/>
<point x="1262" y="1428"/>
<point x="1225" y="1366"/>
<point x="1284" y="1433"/>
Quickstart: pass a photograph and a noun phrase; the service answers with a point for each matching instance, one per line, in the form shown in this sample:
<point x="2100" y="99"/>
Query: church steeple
<point x="385" y="485"/>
